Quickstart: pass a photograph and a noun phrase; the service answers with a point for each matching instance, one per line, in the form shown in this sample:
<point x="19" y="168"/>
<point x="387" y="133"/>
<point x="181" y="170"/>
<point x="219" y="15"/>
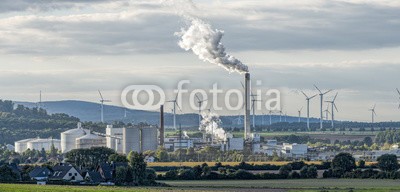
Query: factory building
<point x="36" y="144"/>
<point x="294" y="150"/>
<point x="112" y="140"/>
<point x="68" y="138"/>
<point x="236" y="144"/>
<point x="174" y="143"/>
<point x="139" y="139"/>
<point x="90" y="140"/>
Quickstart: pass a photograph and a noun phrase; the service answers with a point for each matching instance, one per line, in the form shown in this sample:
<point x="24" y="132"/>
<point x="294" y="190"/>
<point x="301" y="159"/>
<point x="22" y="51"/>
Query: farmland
<point x="308" y="185"/>
<point x="192" y="164"/>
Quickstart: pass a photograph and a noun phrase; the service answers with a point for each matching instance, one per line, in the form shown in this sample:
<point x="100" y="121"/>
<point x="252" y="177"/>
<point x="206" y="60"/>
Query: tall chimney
<point x="162" y="126"/>
<point x="247" y="106"/>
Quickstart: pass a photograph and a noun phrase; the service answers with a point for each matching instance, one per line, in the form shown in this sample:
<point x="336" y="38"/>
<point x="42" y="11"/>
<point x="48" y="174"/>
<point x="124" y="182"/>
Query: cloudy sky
<point x="71" y="48"/>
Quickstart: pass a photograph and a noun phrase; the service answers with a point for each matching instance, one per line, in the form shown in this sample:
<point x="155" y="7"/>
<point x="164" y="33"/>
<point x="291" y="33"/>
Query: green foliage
<point x="343" y="162"/>
<point x="162" y="154"/>
<point x="89" y="158"/>
<point x="138" y="165"/>
<point x="117" y="158"/>
<point x="388" y="163"/>
<point x="7" y="174"/>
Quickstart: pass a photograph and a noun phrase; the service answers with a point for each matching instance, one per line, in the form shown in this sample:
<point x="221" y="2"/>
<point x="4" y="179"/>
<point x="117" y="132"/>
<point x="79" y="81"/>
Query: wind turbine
<point x="308" y="108"/>
<point x="373" y="113"/>
<point x="299" y="111"/>
<point x="321" y="94"/>
<point x="200" y="102"/>
<point x="102" y="101"/>
<point x="399" y="95"/>
<point x="280" y="115"/>
<point x="327" y="112"/>
<point x="270" y="117"/>
<point x="333" y="105"/>
<point x="175" y="102"/>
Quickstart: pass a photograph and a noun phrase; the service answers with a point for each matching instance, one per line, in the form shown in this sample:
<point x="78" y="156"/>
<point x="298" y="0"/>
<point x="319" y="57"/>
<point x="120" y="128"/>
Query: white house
<point x="65" y="173"/>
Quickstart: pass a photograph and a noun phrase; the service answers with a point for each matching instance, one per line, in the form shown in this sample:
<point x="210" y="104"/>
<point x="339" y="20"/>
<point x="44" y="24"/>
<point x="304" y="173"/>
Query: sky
<point x="69" y="49"/>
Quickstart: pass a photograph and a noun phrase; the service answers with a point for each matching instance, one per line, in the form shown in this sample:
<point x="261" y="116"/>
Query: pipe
<point x="162" y="126"/>
<point x="247" y="106"/>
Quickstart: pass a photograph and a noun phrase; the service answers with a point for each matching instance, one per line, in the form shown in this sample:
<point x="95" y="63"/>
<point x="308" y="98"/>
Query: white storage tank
<point x="149" y="139"/>
<point x="68" y="138"/>
<point x="39" y="144"/>
<point x="22" y="145"/>
<point x="89" y="140"/>
<point x="131" y="140"/>
<point x="113" y="143"/>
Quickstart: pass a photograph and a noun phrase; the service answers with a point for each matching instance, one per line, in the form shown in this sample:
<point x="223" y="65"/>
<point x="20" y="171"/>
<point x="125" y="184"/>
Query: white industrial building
<point x="139" y="139"/>
<point x="68" y="138"/>
<point x="294" y="150"/>
<point x="114" y="138"/>
<point x="174" y="143"/>
<point x="36" y="144"/>
<point x="235" y="144"/>
<point x="90" y="140"/>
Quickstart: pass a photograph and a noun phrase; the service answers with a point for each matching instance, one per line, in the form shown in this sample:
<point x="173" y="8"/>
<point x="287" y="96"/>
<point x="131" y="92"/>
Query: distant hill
<point x="88" y="111"/>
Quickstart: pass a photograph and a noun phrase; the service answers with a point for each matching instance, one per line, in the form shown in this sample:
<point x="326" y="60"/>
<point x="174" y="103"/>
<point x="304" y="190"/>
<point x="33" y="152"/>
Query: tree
<point x="312" y="172"/>
<point x="343" y="162"/>
<point x="162" y="154"/>
<point x="368" y="141"/>
<point x="7" y="174"/>
<point x="304" y="172"/>
<point x="388" y="163"/>
<point x="138" y="165"/>
<point x="117" y="158"/>
<point x="285" y="170"/>
<point x="120" y="175"/>
<point x="89" y="158"/>
<point x="361" y="163"/>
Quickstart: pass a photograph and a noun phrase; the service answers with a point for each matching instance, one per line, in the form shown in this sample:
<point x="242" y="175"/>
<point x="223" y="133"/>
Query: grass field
<point x="299" y="185"/>
<point x="192" y="164"/>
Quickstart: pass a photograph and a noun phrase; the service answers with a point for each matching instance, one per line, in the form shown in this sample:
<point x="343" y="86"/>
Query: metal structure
<point x="68" y="138"/>
<point x="308" y="108"/>
<point x="247" y="130"/>
<point x="299" y="111"/>
<point x="333" y="105"/>
<point x="373" y="113"/>
<point x="253" y="101"/>
<point x="102" y="101"/>
<point x="175" y="102"/>
<point x="398" y="91"/>
<point x="321" y="95"/>
<point x="200" y="102"/>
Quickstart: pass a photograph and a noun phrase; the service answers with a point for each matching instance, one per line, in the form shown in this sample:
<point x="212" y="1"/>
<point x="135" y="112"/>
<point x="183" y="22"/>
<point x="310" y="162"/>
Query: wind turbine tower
<point x="308" y="108"/>
<point x="102" y="101"/>
<point x="373" y="113"/>
<point x="175" y="102"/>
<point x="200" y="102"/>
<point x="299" y="111"/>
<point x="321" y="94"/>
<point x="253" y="101"/>
<point x="398" y="91"/>
<point x="333" y="105"/>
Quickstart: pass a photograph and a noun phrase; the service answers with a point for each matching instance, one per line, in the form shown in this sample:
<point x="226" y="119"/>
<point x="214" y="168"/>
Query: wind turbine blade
<point x="318" y="89"/>
<point x="374" y="107"/>
<point x="101" y="96"/>
<point x="176" y="103"/>
<point x="398" y="91"/>
<point x="304" y="94"/>
<point x="176" y="97"/>
<point x="335" y="107"/>
<point x="335" y="97"/>
<point x="242" y="85"/>
<point x="313" y="96"/>
<point x="327" y="91"/>
<point x="198" y="99"/>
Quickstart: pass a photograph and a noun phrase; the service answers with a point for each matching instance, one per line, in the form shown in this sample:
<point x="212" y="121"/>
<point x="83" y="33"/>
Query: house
<point x="149" y="159"/>
<point x="65" y="172"/>
<point x="93" y="177"/>
<point x="107" y="170"/>
<point x="40" y="173"/>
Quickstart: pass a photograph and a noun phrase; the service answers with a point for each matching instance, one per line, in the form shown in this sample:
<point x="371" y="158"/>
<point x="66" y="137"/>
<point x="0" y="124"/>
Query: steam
<point x="211" y="125"/>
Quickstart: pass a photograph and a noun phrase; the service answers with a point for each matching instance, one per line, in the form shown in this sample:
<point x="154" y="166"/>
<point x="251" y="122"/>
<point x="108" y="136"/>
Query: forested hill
<point x="20" y="122"/>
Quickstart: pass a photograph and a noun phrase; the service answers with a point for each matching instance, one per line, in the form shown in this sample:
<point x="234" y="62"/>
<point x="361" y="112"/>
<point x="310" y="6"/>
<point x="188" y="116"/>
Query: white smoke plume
<point x="211" y="125"/>
<point x="205" y="42"/>
<point x="202" y="39"/>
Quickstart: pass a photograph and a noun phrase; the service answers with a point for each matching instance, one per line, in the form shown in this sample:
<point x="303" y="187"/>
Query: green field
<point x="302" y="185"/>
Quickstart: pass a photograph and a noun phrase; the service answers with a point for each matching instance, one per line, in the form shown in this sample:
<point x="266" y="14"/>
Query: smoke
<point x="202" y="39"/>
<point x="211" y="125"/>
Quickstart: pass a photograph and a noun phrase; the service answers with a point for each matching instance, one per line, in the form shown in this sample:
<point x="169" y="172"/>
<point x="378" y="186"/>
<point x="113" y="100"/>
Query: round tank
<point x="149" y="139"/>
<point x="39" y="144"/>
<point x="89" y="140"/>
<point x="68" y="138"/>
<point x="21" y="146"/>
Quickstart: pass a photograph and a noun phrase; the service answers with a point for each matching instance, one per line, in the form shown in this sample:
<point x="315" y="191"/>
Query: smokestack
<point x="247" y="106"/>
<point x="162" y="126"/>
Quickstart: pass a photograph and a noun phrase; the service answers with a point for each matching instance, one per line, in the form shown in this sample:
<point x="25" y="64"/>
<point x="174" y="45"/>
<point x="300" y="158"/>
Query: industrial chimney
<point x="247" y="106"/>
<point x="162" y="126"/>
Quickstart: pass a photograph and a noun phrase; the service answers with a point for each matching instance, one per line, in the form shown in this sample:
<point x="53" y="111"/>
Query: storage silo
<point x="21" y="146"/>
<point x="112" y="142"/>
<point x="39" y="144"/>
<point x="131" y="140"/>
<point x="149" y="139"/>
<point x="89" y="140"/>
<point x="68" y="138"/>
